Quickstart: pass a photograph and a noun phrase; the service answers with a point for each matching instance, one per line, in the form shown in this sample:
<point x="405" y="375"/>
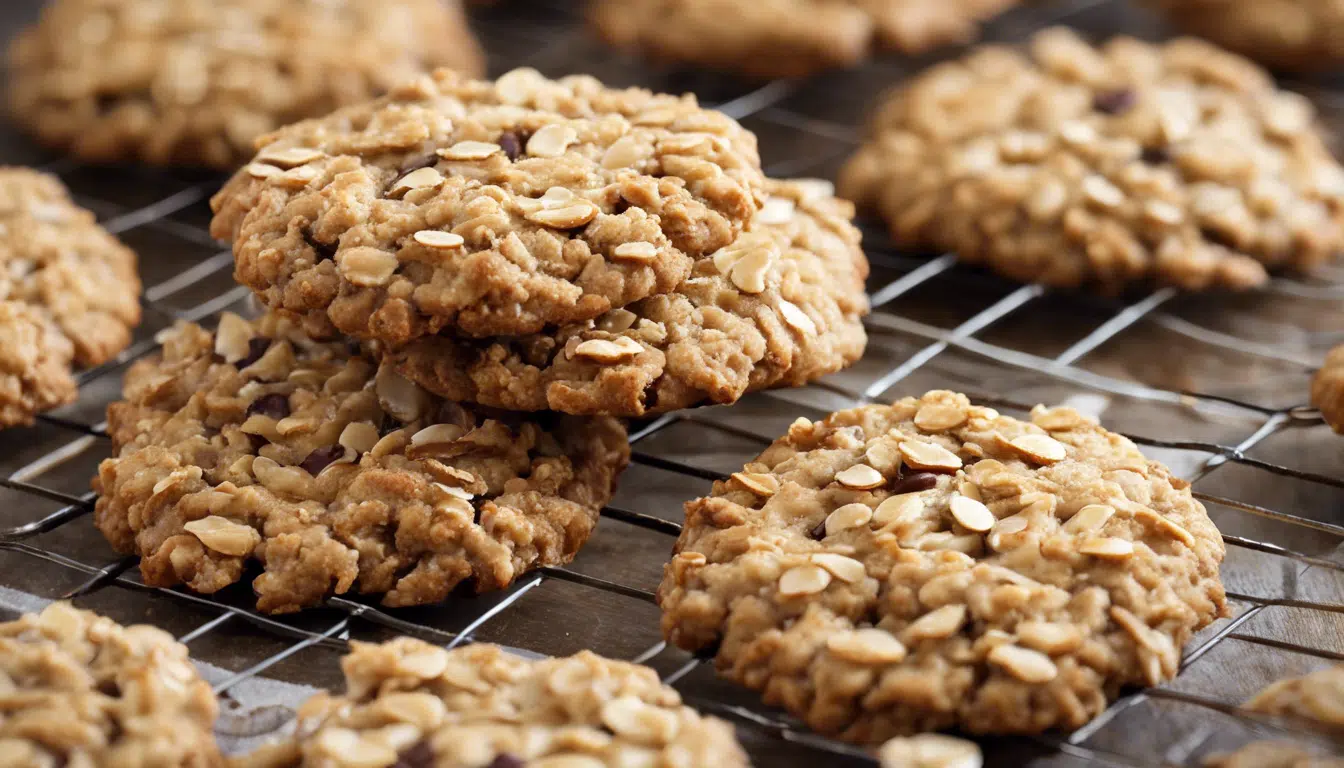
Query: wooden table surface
<point x="1258" y="349"/>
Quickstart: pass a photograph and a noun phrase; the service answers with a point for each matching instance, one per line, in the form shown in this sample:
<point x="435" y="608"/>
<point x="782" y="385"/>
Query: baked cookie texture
<point x="69" y="294"/>
<point x="1290" y="35"/>
<point x="928" y="564"/>
<point x="781" y="306"/>
<point x="78" y="689"/>
<point x="194" y="82"/>
<point x="786" y="38"/>
<point x="257" y="444"/>
<point x="1327" y="389"/>
<point x="1317" y="697"/>
<point x="1273" y="754"/>
<point x="411" y="703"/>
<point x="486" y="208"/>
<point x="1073" y="165"/>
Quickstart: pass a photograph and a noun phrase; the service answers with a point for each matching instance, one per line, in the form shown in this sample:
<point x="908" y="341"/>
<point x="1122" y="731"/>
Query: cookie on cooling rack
<point x="194" y="82"/>
<point x="69" y="294"/>
<point x="1317" y="697"/>
<point x="1327" y="389"/>
<point x="81" y="690"/>
<point x="786" y="38"/>
<point x="1294" y="35"/>
<point x="486" y="208"/>
<point x="1073" y="165"/>
<point x="932" y="563"/>
<point x="413" y="704"/>
<point x="1273" y="754"/>
<point x="257" y="444"/>
<point x="781" y="306"/>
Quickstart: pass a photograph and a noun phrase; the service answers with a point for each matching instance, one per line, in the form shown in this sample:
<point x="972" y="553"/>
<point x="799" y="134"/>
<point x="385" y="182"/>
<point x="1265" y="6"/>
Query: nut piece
<point x="1092" y="517"/>
<point x="470" y="150"/>
<point x="1049" y="637"/>
<point x="848" y="516"/>
<point x="804" y="580"/>
<point x="884" y="456"/>
<point x="559" y="208"/>
<point x="972" y="514"/>
<point x="639" y="251"/>
<point x="290" y="157"/>
<point x="420" y="178"/>
<point x="399" y="396"/>
<point x="1023" y="663"/>
<point x="1107" y="547"/>
<point x="936" y="418"/>
<point x="1175" y="530"/>
<point x="906" y="506"/>
<point x="929" y="457"/>
<point x="609" y="351"/>
<point x="867" y="646"/>
<point x="359" y="436"/>
<point x="433" y="238"/>
<point x="860" y="476"/>
<point x="630" y="717"/>
<point x="551" y="140"/>
<point x="366" y="266"/>
<point x="232" y="337"/>
<point x="437" y="434"/>
<point x="930" y="750"/>
<point x="937" y="624"/>
<point x="846" y="569"/>
<point x="750" y="272"/>
<point x="1041" y="449"/>
<point x="796" y="318"/>
<point x="758" y="483"/>
<point x="1055" y="419"/>
<point x="224" y="536"/>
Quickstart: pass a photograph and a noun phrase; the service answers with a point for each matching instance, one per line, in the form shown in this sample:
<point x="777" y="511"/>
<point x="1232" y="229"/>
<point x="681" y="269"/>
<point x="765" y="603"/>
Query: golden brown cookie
<point x="1293" y="35"/>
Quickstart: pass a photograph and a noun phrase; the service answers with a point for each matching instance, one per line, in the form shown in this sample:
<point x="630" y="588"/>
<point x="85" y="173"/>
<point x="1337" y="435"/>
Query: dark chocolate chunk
<point x="321" y="458"/>
<point x="1115" y="102"/>
<point x="274" y="405"/>
<point x="914" y="483"/>
<point x="256" y="347"/>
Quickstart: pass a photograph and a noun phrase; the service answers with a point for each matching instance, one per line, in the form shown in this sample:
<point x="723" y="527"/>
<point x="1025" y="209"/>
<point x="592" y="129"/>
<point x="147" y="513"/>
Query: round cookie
<point x="81" y="690"/>
<point x="1327" y="389"/>
<point x="194" y="82"/>
<point x="929" y="564"/>
<point x="1070" y="165"/>
<point x="1273" y="754"/>
<point x="781" y="306"/>
<point x="69" y="294"/>
<point x="1317" y="697"/>
<point x="786" y="38"/>
<point x="411" y="703"/>
<point x="257" y="444"/>
<point x="486" y="208"/>
<point x="1291" y="35"/>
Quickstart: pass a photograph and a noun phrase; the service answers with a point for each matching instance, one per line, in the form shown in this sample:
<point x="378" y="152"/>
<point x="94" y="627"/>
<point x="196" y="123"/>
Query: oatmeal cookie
<point x="411" y="703"/>
<point x="1290" y="35"/>
<point x="1318" y="697"/>
<point x="486" y="208"/>
<point x="786" y="38"/>
<point x="1273" y="754"/>
<point x="781" y="306"/>
<point x="1327" y="389"/>
<point x="78" y="689"/>
<point x="257" y="444"/>
<point x="931" y="563"/>
<point x="69" y="294"/>
<point x="193" y="82"/>
<point x="1071" y="165"/>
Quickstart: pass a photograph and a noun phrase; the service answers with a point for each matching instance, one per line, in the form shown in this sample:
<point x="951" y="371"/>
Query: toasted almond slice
<point x="929" y="457"/>
<point x="804" y="580"/>
<point x="1108" y="547"/>
<point x="972" y="515"/>
<point x="797" y="318"/>
<point x="638" y="251"/>
<point x="758" y="483"/>
<point x="848" y="516"/>
<point x="906" y="506"/>
<point x="1041" y="449"/>
<point x="1090" y="518"/>
<point x="846" y="569"/>
<point x="1023" y="663"/>
<point x="930" y="750"/>
<point x="936" y="417"/>
<point x="867" y="646"/>
<point x="937" y="624"/>
<point x="470" y="150"/>
<point x="615" y="350"/>
<point x="432" y="238"/>
<point x="860" y="477"/>
<point x="290" y="156"/>
<point x="1165" y="525"/>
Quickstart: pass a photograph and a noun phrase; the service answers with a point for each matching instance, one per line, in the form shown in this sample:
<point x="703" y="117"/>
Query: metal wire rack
<point x="1262" y="463"/>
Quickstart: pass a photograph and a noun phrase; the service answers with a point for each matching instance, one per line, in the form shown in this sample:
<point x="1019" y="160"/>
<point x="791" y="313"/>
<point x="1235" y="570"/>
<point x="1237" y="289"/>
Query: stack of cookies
<point x="467" y="284"/>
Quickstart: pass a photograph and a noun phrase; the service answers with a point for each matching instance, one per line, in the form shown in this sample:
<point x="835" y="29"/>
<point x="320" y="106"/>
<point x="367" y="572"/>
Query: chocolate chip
<point x="321" y="458"/>
<point x="512" y="144"/>
<point x="1114" y="102"/>
<point x="818" y="531"/>
<point x="914" y="483"/>
<point x="1156" y="155"/>
<point x="418" y="755"/>
<point x="274" y="405"/>
<point x="257" y="441"/>
<point x="256" y="347"/>
<point x="507" y="761"/>
<point x="325" y="251"/>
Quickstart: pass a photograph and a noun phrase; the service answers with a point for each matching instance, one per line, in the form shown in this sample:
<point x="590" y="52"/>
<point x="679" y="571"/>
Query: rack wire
<point x="1279" y="560"/>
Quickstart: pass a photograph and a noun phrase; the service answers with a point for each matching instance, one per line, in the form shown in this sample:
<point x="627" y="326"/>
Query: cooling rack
<point x="1213" y="386"/>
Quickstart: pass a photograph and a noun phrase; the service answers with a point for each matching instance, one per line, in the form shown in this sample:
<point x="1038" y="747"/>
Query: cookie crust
<point x="786" y="38"/>
<point x="256" y="444"/>
<point x="1289" y="35"/>
<point x="724" y="332"/>
<point x="69" y="294"/>
<point x="479" y="705"/>
<point x="894" y="569"/>
<point x="193" y="82"/>
<point x="1317" y="697"/>
<point x="1327" y="389"/>
<point x="486" y="208"/>
<point x="83" y="690"/>
<point x="1179" y="164"/>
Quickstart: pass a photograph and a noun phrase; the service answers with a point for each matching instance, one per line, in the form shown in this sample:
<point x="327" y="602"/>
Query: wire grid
<point x="170" y="205"/>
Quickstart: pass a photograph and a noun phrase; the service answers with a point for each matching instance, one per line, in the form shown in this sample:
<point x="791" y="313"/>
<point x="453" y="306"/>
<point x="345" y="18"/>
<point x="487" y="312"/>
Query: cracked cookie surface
<point x="193" y="82"/>
<point x="256" y="444"/>
<point x="78" y="689"/>
<point x="1072" y="165"/>
<point x="482" y="208"/>
<point x="1292" y="35"/>
<point x="1317" y="697"/>
<point x="786" y="38"/>
<point x="1327" y="389"/>
<point x="411" y="703"/>
<point x="931" y="563"/>
<point x="781" y="306"/>
<point x="69" y="294"/>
